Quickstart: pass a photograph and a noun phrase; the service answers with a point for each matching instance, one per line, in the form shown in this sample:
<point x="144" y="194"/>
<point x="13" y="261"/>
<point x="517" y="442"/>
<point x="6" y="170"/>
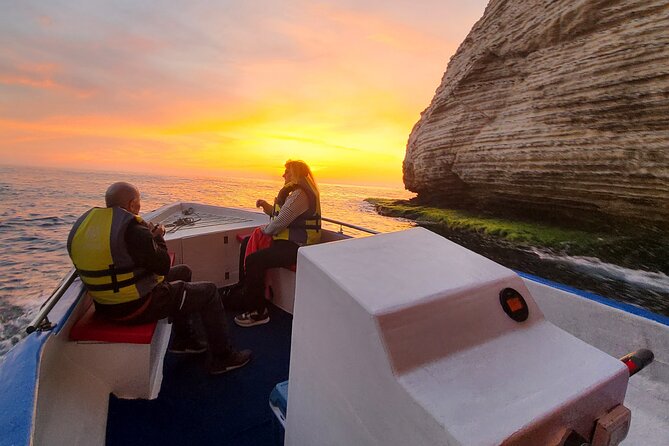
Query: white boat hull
<point x="212" y="252"/>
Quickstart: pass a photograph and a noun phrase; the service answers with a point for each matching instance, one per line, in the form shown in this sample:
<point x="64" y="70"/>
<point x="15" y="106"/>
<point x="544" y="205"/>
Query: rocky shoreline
<point x="625" y="266"/>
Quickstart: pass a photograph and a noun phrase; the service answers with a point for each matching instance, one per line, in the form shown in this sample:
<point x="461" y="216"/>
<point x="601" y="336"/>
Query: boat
<point x="396" y="338"/>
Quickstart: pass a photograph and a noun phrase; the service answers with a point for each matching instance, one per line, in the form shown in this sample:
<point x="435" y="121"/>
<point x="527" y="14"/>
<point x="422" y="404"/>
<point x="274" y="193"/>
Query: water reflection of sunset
<point x="223" y="92"/>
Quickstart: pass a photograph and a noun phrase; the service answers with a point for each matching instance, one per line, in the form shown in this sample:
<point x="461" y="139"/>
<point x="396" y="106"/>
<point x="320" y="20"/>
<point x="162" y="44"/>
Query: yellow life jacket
<point x="97" y="247"/>
<point x="306" y="228"/>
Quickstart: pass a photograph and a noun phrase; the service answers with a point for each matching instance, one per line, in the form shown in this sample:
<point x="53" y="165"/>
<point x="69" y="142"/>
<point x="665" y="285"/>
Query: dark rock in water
<point x="563" y="270"/>
<point x="626" y="267"/>
<point x="553" y="109"/>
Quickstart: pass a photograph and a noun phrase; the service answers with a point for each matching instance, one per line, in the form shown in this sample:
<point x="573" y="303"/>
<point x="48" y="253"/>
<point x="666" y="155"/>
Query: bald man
<point x="123" y="262"/>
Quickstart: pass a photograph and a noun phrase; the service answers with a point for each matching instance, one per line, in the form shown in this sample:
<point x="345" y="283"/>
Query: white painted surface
<point x="67" y="392"/>
<point x="349" y="358"/>
<point x="209" y="247"/>
<point x="400" y="339"/>
<point x="130" y="370"/>
<point x="618" y="332"/>
<point x="281" y="282"/>
<point x="212" y="257"/>
<point x="76" y="378"/>
<point x="237" y="219"/>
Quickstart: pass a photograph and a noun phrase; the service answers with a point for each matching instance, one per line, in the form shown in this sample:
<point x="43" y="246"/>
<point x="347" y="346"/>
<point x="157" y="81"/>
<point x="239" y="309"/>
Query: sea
<point x="38" y="207"/>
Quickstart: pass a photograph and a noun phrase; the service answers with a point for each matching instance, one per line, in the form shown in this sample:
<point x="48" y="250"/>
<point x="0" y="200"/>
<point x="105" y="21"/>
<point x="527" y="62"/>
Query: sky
<point x="214" y="88"/>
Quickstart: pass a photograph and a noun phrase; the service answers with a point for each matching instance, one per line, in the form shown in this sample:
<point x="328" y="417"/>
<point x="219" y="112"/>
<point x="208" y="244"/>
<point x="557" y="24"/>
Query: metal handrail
<point x="41" y="321"/>
<point x="348" y="225"/>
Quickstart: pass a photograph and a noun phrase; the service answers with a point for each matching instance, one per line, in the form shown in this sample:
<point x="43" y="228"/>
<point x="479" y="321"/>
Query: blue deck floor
<point x="195" y="408"/>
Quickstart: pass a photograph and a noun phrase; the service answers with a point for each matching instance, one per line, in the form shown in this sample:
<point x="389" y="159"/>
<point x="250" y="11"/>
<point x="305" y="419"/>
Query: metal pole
<point x="348" y="225"/>
<point x="51" y="302"/>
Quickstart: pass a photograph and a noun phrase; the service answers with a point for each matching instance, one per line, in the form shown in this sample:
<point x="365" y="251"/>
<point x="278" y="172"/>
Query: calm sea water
<point x="39" y="206"/>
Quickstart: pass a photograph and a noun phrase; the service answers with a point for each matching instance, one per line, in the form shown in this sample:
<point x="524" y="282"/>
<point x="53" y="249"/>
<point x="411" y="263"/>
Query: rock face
<point x="556" y="107"/>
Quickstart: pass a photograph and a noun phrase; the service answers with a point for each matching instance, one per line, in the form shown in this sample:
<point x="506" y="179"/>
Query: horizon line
<point x="380" y="185"/>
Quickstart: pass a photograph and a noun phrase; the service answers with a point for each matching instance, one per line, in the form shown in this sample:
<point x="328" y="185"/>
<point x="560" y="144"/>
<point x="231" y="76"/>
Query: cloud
<point x="205" y="80"/>
<point x="313" y="141"/>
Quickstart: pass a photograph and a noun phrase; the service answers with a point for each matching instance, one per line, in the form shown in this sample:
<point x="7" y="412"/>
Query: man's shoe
<point x="251" y="318"/>
<point x="234" y="298"/>
<point x="234" y="361"/>
<point x="187" y="346"/>
<point x="228" y="290"/>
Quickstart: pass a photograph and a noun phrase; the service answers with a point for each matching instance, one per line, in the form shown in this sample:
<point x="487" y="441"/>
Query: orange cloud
<point x="31" y="75"/>
<point x="224" y="90"/>
<point x="18" y="80"/>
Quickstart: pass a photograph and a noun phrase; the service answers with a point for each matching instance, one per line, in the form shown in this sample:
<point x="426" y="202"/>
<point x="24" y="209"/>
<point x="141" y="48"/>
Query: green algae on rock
<point x="631" y="247"/>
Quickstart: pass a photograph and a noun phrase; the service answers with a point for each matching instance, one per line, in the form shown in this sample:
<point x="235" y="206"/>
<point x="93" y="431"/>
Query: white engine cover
<point x="400" y="339"/>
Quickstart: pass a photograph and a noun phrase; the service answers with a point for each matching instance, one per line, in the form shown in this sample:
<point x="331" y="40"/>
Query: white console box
<point x="400" y="339"/>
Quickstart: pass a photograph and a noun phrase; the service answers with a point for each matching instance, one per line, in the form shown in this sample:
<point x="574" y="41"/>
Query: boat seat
<point x="280" y="282"/>
<point x="280" y="287"/>
<point x="127" y="359"/>
<point x="93" y="328"/>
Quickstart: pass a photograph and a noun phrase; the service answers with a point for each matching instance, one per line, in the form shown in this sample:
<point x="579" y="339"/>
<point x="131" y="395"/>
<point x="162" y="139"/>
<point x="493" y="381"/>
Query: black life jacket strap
<point x="311" y="222"/>
<point x="114" y="279"/>
<point x="300" y="225"/>
<point x="104" y="272"/>
<point x="116" y="285"/>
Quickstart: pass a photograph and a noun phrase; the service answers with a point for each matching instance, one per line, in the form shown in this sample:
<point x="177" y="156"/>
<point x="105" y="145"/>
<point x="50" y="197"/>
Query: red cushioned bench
<point x="126" y="360"/>
<point x="91" y="327"/>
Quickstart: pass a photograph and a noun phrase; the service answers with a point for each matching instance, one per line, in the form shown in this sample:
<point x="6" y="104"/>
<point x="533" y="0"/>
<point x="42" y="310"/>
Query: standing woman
<point x="295" y="221"/>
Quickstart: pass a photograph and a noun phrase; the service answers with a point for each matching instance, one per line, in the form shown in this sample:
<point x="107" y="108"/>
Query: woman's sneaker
<point x="251" y="318"/>
<point x="234" y="361"/>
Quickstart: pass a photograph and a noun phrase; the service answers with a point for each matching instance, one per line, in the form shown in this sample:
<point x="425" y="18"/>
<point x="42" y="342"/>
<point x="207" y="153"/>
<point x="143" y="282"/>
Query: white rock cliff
<point x="553" y="106"/>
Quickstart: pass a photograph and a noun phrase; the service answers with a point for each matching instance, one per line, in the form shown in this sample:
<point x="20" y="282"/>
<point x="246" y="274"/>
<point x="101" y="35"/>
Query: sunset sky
<point x="222" y="87"/>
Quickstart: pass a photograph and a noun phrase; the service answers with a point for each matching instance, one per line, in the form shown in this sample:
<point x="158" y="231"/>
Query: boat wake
<point x="13" y="321"/>
<point x="650" y="280"/>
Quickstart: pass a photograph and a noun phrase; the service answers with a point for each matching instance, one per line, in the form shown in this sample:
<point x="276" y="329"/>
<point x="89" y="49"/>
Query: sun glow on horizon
<point x="229" y="91"/>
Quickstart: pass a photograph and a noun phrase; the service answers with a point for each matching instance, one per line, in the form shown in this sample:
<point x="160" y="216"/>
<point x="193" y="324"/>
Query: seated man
<point x="123" y="263"/>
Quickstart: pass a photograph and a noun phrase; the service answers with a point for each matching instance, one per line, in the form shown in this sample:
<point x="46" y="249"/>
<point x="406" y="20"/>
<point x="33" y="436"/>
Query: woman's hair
<point x="300" y="170"/>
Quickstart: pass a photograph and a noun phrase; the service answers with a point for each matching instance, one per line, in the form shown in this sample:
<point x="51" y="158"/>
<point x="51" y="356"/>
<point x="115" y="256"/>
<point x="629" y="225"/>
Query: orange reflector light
<point x="514" y="304"/>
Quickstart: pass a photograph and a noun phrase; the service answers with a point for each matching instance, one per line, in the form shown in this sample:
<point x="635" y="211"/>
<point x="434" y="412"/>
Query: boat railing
<point x="348" y="225"/>
<point x="41" y="320"/>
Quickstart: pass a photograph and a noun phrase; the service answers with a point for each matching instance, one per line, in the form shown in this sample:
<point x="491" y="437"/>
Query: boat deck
<point x="195" y="408"/>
